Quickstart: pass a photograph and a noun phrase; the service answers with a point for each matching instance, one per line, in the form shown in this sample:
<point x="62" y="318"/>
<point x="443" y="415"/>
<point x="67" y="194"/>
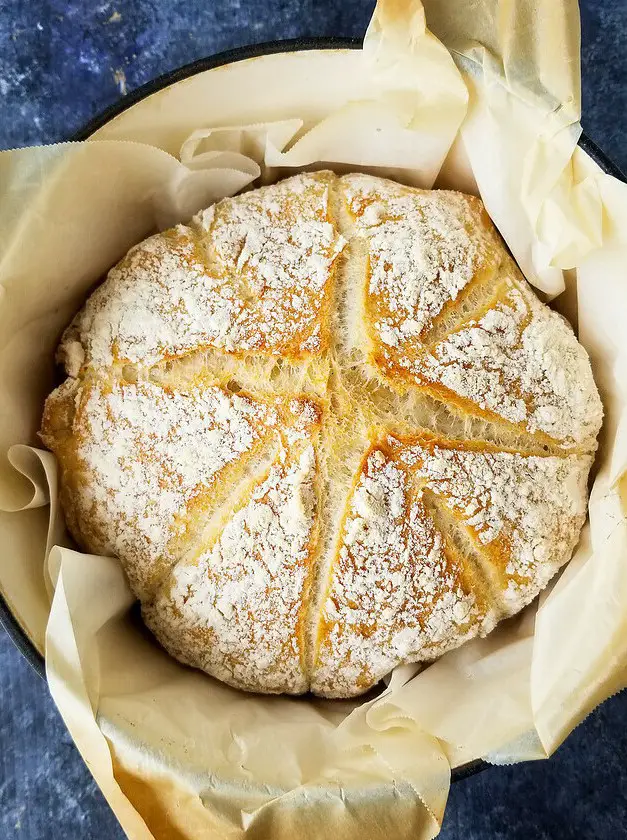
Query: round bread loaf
<point x="327" y="428"/>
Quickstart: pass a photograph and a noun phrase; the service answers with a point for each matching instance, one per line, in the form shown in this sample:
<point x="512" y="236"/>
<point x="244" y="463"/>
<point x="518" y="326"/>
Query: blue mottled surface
<point x="61" y="63"/>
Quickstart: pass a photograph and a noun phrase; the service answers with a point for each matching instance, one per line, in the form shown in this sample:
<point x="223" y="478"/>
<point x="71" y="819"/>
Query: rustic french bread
<point x="327" y="428"/>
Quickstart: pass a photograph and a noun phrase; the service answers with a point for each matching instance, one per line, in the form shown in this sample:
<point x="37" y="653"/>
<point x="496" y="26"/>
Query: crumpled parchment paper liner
<point x="176" y="753"/>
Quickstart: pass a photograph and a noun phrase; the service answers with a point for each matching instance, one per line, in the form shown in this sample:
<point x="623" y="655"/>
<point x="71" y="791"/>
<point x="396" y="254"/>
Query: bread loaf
<point x="327" y="428"/>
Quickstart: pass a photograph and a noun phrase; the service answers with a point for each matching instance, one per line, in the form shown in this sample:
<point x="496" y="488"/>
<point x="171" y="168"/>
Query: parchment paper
<point x="177" y="754"/>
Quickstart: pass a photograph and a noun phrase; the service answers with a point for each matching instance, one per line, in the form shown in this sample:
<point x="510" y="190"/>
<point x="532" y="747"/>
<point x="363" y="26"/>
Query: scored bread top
<point x="327" y="428"/>
<point x="495" y="349"/>
<point x="238" y="607"/>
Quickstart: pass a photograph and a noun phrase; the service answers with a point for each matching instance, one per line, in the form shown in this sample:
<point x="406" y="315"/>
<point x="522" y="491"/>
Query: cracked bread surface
<point x="327" y="428"/>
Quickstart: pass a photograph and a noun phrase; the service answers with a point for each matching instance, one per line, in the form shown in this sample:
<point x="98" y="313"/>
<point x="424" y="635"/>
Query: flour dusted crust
<point x="522" y="512"/>
<point x="237" y="609"/>
<point x="251" y="273"/>
<point x="144" y="461"/>
<point x="399" y="590"/>
<point x="495" y="350"/>
<point x="327" y="428"/>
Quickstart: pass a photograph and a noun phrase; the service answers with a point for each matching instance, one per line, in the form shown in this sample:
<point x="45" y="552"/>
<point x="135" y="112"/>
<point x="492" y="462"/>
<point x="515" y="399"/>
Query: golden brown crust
<point x="399" y="590"/>
<point x="237" y="607"/>
<point x="327" y="428"/>
<point x="251" y="274"/>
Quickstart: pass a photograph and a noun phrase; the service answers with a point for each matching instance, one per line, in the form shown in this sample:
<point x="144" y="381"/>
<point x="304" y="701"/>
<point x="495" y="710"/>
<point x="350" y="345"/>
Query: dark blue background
<point x="60" y="63"/>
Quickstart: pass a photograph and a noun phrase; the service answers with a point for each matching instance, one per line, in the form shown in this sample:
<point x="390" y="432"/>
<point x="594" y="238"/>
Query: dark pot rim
<point x="7" y="619"/>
